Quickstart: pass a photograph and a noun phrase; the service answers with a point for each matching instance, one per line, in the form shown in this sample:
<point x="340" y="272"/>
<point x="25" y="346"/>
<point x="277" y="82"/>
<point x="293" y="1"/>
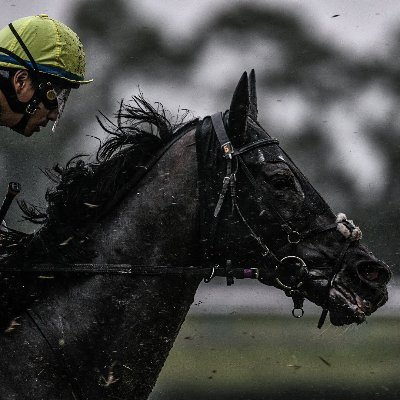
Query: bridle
<point x="290" y="265"/>
<point x="287" y="273"/>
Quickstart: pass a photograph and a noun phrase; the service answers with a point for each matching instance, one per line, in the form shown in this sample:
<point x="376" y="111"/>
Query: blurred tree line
<point x="315" y="82"/>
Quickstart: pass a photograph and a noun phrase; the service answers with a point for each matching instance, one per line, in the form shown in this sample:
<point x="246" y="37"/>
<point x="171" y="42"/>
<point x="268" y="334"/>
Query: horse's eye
<point x="283" y="182"/>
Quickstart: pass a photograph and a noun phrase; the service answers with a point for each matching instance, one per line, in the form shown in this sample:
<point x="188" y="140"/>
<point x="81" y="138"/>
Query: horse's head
<point x="280" y="222"/>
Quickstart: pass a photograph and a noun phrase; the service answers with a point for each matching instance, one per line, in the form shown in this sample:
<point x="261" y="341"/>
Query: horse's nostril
<point x="374" y="273"/>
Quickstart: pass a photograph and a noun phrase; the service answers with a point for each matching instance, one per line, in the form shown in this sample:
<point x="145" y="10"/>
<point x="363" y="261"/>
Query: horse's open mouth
<point x="348" y="307"/>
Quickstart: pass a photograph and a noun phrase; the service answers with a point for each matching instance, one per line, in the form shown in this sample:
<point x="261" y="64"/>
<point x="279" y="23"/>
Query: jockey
<point x="41" y="60"/>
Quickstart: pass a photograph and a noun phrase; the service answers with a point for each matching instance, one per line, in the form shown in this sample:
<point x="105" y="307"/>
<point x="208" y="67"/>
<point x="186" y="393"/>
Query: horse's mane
<point x="84" y="188"/>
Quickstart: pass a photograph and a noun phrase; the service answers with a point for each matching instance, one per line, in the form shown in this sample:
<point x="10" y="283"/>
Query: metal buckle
<point x="299" y="262"/>
<point x="286" y="287"/>
<point x="227" y="149"/>
<point x="31" y="107"/>
<point x="226" y="180"/>
<point x="14" y="187"/>
<point x="297" y="312"/>
<point x="294" y="237"/>
<point x="51" y="95"/>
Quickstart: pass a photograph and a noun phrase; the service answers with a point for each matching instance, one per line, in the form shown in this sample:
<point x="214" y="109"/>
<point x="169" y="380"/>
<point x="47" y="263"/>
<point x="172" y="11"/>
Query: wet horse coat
<point x="98" y="325"/>
<point x="107" y="336"/>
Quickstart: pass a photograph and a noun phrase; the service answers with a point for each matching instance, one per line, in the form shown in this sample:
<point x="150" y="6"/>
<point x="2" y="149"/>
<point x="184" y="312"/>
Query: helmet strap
<point x="17" y="106"/>
<point x="44" y="91"/>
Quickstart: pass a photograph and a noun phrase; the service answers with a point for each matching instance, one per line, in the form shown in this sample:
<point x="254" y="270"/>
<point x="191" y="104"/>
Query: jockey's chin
<point x="39" y="120"/>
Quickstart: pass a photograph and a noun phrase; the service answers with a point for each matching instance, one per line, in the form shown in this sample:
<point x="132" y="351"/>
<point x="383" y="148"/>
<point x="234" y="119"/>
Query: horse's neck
<point x="157" y="223"/>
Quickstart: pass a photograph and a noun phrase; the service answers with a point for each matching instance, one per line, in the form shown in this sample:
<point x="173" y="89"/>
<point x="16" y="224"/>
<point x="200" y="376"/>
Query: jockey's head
<point x="41" y="60"/>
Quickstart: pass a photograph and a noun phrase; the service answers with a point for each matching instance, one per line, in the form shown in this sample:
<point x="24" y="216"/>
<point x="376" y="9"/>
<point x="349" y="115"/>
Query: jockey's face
<point x="39" y="120"/>
<point x="24" y="89"/>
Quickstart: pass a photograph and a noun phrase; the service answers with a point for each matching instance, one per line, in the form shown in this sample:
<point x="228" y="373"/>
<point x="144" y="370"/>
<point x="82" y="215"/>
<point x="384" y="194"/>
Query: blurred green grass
<point x="255" y="357"/>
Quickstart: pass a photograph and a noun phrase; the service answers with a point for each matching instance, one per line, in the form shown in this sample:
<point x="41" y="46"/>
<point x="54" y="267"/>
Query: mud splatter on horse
<point x="92" y="302"/>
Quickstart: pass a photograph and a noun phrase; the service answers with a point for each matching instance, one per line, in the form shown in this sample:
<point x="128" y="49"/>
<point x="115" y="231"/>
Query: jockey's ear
<point x="22" y="84"/>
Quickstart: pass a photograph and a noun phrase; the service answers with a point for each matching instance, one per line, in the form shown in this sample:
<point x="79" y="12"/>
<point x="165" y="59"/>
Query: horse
<point x="92" y="302"/>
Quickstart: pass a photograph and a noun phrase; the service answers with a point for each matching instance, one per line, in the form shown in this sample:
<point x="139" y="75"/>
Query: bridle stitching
<point x="231" y="154"/>
<point x="295" y="292"/>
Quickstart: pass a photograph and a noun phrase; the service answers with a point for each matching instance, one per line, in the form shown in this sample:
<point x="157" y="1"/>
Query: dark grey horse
<point x="106" y="336"/>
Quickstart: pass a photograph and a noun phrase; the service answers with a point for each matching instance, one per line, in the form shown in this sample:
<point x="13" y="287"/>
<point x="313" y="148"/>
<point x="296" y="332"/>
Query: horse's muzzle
<point x="354" y="296"/>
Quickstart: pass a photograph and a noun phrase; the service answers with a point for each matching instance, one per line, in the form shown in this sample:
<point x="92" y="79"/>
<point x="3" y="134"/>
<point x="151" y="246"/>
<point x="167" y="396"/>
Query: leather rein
<point x="294" y="265"/>
<point x="273" y="265"/>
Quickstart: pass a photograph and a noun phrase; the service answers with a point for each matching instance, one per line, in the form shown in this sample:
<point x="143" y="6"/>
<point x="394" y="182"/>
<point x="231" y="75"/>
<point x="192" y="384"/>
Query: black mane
<point x="85" y="188"/>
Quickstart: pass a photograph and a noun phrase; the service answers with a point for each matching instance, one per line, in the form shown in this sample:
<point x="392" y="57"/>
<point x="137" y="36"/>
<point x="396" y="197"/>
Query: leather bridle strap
<point x="219" y="128"/>
<point x="97" y="268"/>
<point x="226" y="145"/>
<point x="229" y="152"/>
<point x="254" y="145"/>
<point x="46" y="269"/>
<point x="337" y="268"/>
<point x="232" y="154"/>
<point x="293" y="236"/>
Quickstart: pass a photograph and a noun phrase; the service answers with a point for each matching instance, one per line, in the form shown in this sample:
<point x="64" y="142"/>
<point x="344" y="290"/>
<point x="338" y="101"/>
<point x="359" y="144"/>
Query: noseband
<point x="290" y="271"/>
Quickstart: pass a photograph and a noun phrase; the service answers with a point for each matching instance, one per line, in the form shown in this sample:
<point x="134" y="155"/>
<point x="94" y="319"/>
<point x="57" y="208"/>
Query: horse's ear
<point x="238" y="111"/>
<point x="253" y="110"/>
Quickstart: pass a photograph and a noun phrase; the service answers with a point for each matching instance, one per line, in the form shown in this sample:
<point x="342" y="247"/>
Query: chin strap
<point x="44" y="93"/>
<point x="43" y="90"/>
<point x="17" y="106"/>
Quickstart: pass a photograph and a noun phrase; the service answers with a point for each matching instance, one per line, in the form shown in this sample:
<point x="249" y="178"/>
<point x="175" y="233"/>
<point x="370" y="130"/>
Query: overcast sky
<point x="358" y="28"/>
<point x="361" y="25"/>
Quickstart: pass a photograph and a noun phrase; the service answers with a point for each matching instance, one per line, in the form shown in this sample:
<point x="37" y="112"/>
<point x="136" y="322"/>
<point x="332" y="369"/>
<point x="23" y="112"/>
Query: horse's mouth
<point x="347" y="307"/>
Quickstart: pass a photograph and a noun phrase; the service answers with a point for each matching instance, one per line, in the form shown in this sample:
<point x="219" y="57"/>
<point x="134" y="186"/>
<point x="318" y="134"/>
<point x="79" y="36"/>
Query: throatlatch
<point x="290" y="272"/>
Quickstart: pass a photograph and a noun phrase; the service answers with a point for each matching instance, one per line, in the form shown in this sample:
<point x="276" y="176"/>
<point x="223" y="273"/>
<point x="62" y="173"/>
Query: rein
<point x="274" y="267"/>
<point x="133" y="269"/>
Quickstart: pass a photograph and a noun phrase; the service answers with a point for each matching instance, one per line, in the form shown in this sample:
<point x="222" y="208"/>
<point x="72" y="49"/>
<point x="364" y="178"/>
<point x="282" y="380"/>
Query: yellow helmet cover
<point x="56" y="49"/>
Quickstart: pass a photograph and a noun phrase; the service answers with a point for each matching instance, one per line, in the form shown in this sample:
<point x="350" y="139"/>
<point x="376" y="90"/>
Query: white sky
<point x="361" y="29"/>
<point x="362" y="25"/>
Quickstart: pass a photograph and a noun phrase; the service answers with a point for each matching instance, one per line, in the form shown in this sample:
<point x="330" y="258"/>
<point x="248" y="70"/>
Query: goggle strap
<point x="17" y="58"/>
<point x="22" y="44"/>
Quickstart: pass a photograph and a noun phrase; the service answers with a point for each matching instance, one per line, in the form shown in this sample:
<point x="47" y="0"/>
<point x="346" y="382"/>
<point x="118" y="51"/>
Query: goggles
<point x="56" y="97"/>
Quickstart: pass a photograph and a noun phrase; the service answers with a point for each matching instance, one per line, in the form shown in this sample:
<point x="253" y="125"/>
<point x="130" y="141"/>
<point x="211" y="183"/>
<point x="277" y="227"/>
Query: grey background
<point x="328" y="87"/>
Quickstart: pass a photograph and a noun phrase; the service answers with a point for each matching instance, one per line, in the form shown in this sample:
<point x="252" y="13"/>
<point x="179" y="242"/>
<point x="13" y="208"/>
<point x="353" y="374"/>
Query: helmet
<point x="54" y="57"/>
<point x="52" y="46"/>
